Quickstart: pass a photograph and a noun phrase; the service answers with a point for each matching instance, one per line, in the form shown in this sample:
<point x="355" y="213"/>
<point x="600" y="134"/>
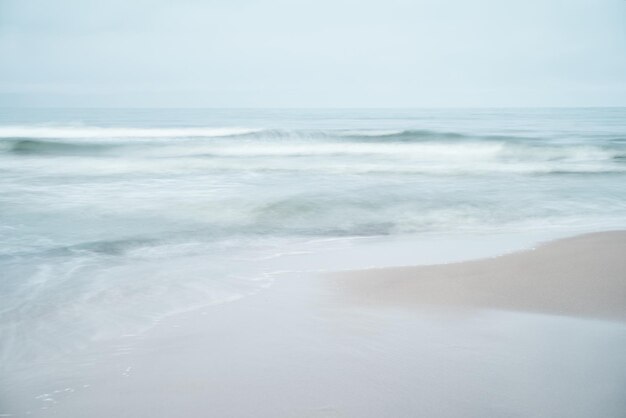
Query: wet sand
<point x="536" y="333"/>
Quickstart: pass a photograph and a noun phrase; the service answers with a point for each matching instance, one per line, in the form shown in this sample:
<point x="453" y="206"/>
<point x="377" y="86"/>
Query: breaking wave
<point x="327" y="152"/>
<point x="97" y="132"/>
<point x="87" y="132"/>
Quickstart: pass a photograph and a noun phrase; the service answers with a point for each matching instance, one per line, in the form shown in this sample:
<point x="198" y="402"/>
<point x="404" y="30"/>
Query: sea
<point x="112" y="219"/>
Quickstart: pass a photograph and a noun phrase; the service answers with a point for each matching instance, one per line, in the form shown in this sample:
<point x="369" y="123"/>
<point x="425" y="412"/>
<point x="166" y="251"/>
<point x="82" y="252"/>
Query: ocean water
<point x="112" y="218"/>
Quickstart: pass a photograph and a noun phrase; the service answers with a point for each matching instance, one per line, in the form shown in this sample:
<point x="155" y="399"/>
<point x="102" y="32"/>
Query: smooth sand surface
<point x="583" y="276"/>
<point x="304" y="348"/>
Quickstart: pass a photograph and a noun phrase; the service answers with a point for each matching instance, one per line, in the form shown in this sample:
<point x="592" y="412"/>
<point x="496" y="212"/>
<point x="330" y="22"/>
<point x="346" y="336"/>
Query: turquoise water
<point x="111" y="218"/>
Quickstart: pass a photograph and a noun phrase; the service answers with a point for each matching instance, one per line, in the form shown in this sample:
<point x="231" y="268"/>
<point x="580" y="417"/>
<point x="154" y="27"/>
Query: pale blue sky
<point x="318" y="53"/>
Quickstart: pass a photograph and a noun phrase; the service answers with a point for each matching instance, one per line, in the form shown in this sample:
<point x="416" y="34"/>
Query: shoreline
<point x="325" y="345"/>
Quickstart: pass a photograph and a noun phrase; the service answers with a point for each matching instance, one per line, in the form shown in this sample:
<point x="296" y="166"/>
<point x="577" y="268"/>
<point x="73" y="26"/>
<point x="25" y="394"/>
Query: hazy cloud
<point x="313" y="53"/>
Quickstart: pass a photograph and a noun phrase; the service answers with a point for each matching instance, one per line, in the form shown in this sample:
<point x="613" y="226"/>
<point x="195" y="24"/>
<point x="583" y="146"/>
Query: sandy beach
<point x="535" y="333"/>
<point x="583" y="276"/>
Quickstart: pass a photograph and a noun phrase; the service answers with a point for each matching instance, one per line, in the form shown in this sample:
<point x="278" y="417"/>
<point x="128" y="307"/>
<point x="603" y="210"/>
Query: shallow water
<point x="112" y="218"/>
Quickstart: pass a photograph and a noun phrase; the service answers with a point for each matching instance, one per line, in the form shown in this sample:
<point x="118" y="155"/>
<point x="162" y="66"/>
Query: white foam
<point x="77" y="132"/>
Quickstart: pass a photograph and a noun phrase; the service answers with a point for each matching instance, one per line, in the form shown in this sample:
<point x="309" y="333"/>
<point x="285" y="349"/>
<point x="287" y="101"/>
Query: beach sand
<point x="583" y="276"/>
<point x="539" y="333"/>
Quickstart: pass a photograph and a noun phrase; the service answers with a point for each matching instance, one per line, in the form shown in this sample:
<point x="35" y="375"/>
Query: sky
<point x="317" y="53"/>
